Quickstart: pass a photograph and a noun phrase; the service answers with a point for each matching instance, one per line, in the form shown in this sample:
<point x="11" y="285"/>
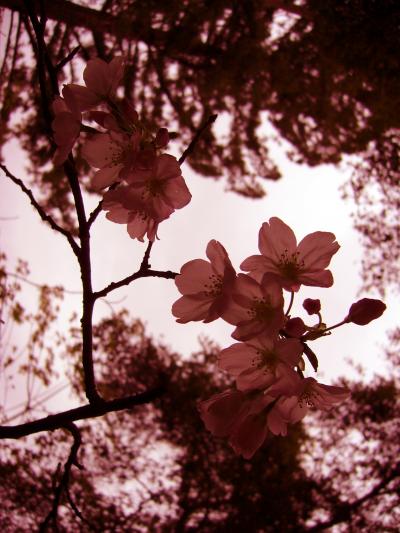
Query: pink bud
<point x="313" y="307"/>
<point x="129" y="111"/>
<point x="364" y="311"/>
<point x="162" y="138"/>
<point x="295" y="327"/>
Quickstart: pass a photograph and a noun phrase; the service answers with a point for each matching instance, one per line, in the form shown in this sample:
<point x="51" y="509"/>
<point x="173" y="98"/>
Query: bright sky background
<point x="306" y="199"/>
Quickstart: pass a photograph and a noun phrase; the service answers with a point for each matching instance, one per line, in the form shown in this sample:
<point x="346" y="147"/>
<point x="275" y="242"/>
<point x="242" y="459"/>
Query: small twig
<point x="94" y="214"/>
<point x="168" y="274"/>
<point x="43" y="215"/>
<point x="313" y="359"/>
<point x="68" y="58"/>
<point x="211" y="119"/>
<point x="145" y="263"/>
<point x="77" y="512"/>
<point x="64" y="481"/>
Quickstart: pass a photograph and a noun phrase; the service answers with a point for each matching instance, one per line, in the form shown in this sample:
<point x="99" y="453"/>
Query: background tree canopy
<point x="155" y="468"/>
<point x="326" y="76"/>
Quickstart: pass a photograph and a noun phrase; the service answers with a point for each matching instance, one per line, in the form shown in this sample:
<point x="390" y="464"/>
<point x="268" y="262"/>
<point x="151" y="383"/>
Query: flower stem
<point x="290" y="303"/>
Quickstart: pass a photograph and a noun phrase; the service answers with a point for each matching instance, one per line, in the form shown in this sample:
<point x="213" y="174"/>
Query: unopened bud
<point x="295" y="327"/>
<point x="162" y="138"/>
<point x="313" y="307"/>
<point x="364" y="311"/>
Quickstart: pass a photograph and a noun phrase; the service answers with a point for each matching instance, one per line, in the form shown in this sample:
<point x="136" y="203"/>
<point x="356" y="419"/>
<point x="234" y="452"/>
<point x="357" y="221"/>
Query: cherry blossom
<point x="66" y="127"/>
<point x="293" y="405"/>
<point x="291" y="264"/>
<point x="114" y="153"/>
<point x="206" y="286"/>
<point x="257" y="308"/>
<point x="161" y="186"/>
<point x="125" y="206"/>
<point x="101" y="80"/>
<point x="259" y="362"/>
<point x="239" y="416"/>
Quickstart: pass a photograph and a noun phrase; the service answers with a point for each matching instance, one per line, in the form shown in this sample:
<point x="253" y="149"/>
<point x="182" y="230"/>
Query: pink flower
<point x="221" y="412"/>
<point x="101" y="79"/>
<point x="125" y="206"/>
<point x="206" y="286"/>
<point x="237" y="415"/>
<point x="259" y="362"/>
<point x="113" y="153"/>
<point x="257" y="308"/>
<point x="161" y="186"/>
<point x="293" y="405"/>
<point x="364" y="311"/>
<point x="66" y="127"/>
<point x="290" y="264"/>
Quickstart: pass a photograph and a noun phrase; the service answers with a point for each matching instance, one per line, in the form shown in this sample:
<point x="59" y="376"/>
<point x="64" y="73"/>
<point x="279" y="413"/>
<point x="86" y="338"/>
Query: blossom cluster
<point x="267" y="363"/>
<point x="145" y="185"/>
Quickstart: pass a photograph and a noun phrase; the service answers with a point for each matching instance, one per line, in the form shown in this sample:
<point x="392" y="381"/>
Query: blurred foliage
<point x="326" y="75"/>
<point x="156" y="468"/>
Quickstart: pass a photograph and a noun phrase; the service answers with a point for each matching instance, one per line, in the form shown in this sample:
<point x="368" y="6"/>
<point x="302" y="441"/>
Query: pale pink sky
<point x="307" y="199"/>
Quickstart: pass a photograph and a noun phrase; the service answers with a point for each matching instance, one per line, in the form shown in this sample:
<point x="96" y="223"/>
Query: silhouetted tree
<point x="156" y="468"/>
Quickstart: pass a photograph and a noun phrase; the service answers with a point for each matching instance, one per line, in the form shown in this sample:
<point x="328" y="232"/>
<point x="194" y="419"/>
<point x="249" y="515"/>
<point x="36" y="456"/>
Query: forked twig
<point x="62" y="486"/>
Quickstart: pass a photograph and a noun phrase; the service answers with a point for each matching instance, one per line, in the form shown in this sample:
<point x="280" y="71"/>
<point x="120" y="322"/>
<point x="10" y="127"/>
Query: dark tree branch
<point x="211" y="119"/>
<point x="59" y="420"/>
<point x="146" y="258"/>
<point x="120" y="26"/>
<point x="141" y="273"/>
<point x="62" y="486"/>
<point x="68" y="58"/>
<point x="347" y="509"/>
<point x="86" y="277"/>
<point x="45" y="217"/>
<point x="45" y="63"/>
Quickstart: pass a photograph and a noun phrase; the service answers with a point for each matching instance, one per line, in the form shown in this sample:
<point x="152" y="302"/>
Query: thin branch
<point x="43" y="215"/>
<point x="347" y="509"/>
<point x="96" y="211"/>
<point x="7" y="47"/>
<point x="211" y="119"/>
<point x="39" y="285"/>
<point x="44" y="60"/>
<point x="64" y="481"/>
<point x="146" y="258"/>
<point x="68" y="58"/>
<point x="168" y="274"/>
<point x="90" y="410"/>
<point x="77" y="512"/>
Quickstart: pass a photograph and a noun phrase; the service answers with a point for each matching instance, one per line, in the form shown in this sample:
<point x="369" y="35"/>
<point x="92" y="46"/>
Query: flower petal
<point x="194" y="276"/>
<point x="249" y="435"/>
<point x="191" y="307"/>
<point x="317" y="249"/>
<point x="276" y="237"/>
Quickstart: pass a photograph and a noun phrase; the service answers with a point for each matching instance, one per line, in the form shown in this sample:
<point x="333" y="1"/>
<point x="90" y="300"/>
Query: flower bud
<point x="162" y="138"/>
<point x="313" y="307"/>
<point x="364" y="311"/>
<point x="295" y="327"/>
